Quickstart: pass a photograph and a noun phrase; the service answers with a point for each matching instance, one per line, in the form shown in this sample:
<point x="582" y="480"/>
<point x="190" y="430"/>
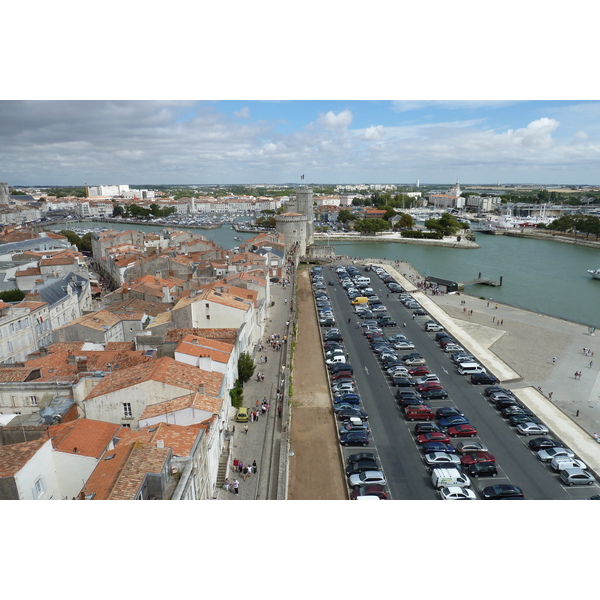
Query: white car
<point x="430" y="377"/>
<point x="564" y="462"/>
<point x="470" y="447"/>
<point x="367" y="478"/>
<point x="395" y="371"/>
<point x="453" y="348"/>
<point x="379" y="308"/>
<point x="404" y="345"/>
<point x="457" y="493"/>
<point x="547" y="454"/>
<point x="343" y="388"/>
<point x="440" y="459"/>
<point x="529" y="428"/>
<point x="415" y="361"/>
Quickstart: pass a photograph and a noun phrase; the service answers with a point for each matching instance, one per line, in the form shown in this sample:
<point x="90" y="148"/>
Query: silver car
<point x="531" y="429"/>
<point x="577" y="477"/>
<point x="442" y="459"/>
<point x="367" y="478"/>
<point x="547" y="454"/>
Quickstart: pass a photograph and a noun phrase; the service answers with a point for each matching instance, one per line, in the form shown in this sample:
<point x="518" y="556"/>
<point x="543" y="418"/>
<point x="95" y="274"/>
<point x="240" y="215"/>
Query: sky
<point x="101" y="142"/>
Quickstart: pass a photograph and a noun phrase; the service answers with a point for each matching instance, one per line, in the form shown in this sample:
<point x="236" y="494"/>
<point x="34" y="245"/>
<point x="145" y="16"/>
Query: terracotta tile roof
<point x="161" y="319"/>
<point x="31" y="305"/>
<point x="163" y="370"/>
<point x="98" y="320"/>
<point x="121" y="472"/>
<point x="221" y="298"/>
<point x="61" y="365"/>
<point x="28" y="272"/>
<point x="136" y="305"/>
<point x="82" y="436"/>
<point x="198" y="346"/>
<point x="179" y="438"/>
<point x="175" y="335"/>
<point x="16" y="374"/>
<point x="13" y="457"/>
<point x="238" y="292"/>
<point x="210" y="404"/>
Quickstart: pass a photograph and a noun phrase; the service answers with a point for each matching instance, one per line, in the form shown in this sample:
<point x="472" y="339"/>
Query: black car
<point x="360" y="466"/>
<point x="426" y="428"/>
<point x="541" y="443"/>
<point x="505" y="403"/>
<point x="523" y="418"/>
<point x="447" y="411"/>
<point x="502" y="492"/>
<point x="334" y="337"/>
<point x="354" y="438"/>
<point x="419" y="312"/>
<point x="483" y="378"/>
<point x="399" y="381"/>
<point x="410" y="401"/>
<point x="434" y="394"/>
<point x="361" y="456"/>
<point x="387" y="322"/>
<point x="483" y="469"/>
<point x="341" y="367"/>
<point x="349" y="413"/>
<point x="327" y="322"/>
<point x="493" y="389"/>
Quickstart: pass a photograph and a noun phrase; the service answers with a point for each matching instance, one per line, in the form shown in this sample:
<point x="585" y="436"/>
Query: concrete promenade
<point x="256" y="444"/>
<point x="519" y="347"/>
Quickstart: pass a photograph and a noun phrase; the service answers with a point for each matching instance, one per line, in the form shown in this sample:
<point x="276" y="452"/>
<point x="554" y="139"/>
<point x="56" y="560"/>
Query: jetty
<point x="479" y="280"/>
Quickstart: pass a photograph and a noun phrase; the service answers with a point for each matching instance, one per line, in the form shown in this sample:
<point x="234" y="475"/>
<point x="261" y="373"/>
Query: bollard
<point x="577" y="414"/>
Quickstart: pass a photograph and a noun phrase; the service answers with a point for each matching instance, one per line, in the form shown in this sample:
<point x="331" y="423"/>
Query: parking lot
<point x="392" y="439"/>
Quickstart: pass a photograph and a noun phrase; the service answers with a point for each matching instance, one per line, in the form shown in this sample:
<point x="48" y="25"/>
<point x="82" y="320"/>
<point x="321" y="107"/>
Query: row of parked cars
<point x="366" y="480"/>
<point x="449" y="464"/>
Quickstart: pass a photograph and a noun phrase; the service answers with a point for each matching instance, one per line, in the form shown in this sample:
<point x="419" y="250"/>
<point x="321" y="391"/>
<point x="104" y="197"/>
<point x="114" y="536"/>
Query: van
<point x="336" y="360"/>
<point x="360" y="300"/>
<point x="449" y="477"/>
<point x="366" y="280"/>
<point x="432" y="326"/>
<point x="469" y="368"/>
<point x="560" y="463"/>
<point x="419" y="412"/>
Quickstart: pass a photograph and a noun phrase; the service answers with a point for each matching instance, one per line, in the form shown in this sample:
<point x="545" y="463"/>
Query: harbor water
<point x="539" y="275"/>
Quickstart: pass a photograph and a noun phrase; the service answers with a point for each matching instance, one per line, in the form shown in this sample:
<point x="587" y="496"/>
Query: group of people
<point x="587" y="352"/>
<point x="260" y="377"/>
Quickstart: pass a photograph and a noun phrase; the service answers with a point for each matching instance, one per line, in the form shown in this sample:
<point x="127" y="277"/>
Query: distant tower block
<point x="304" y="205"/>
<point x="293" y="226"/>
<point x="4" y="194"/>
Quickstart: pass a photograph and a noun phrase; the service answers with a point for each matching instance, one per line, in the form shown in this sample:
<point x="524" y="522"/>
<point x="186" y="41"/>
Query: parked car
<point x="531" y="429"/>
<point x="447" y="411"/>
<point x="360" y="466"/>
<point x="452" y="420"/>
<point x="434" y="394"/>
<point x="429" y="447"/>
<point x="560" y="463"/>
<point x="494" y="388"/>
<point x="367" y="478"/>
<point x="419" y="413"/>
<point x="399" y="381"/>
<point x="477" y="457"/>
<point x="429" y="427"/>
<point x="462" y="431"/>
<point x="576" y="477"/>
<point x="348" y="413"/>
<point x="355" y="438"/>
<point x="361" y="456"/>
<point x="415" y="361"/>
<point x="429" y="385"/>
<point x="457" y="493"/>
<point x="369" y="490"/>
<point x="541" y="443"/>
<point x="468" y="447"/>
<point x="418" y="371"/>
<point x="433" y="436"/>
<point x="547" y="454"/>
<point x="483" y="469"/>
<point x="501" y="492"/>
<point x="483" y="378"/>
<point x="441" y="459"/>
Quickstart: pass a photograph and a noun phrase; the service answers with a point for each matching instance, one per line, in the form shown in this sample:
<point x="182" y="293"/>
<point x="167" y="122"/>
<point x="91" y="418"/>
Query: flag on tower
<point x="302" y="177"/>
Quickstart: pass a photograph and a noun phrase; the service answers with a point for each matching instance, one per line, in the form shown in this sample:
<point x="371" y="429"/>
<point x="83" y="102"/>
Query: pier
<point x="479" y="280"/>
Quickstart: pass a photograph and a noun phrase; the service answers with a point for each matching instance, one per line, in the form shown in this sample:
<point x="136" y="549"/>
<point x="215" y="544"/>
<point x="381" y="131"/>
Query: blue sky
<point x="58" y="142"/>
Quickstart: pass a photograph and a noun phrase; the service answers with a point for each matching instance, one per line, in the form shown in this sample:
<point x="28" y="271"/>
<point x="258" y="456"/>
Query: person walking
<point x="246" y="428"/>
<point x="591" y="363"/>
<point x="226" y="484"/>
<point x="236" y="485"/>
<point x="255" y="467"/>
<point x="554" y="360"/>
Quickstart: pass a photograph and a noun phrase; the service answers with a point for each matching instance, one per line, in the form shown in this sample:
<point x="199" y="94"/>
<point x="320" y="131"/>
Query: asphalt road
<point x="393" y="437"/>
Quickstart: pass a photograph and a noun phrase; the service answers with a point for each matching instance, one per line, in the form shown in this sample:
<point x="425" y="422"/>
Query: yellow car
<point x="243" y="414"/>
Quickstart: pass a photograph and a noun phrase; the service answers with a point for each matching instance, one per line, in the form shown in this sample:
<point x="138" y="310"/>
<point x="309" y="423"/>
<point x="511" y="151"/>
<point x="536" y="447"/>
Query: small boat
<point x="595" y="274"/>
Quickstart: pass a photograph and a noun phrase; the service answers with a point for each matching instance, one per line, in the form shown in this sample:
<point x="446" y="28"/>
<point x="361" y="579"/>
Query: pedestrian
<point x="236" y="462"/>
<point x="245" y="475"/>
<point x="246" y="428"/>
<point x="576" y="373"/>
<point x="279" y="410"/>
<point x="255" y="467"/>
<point x="404" y="324"/>
<point x="554" y="360"/>
<point x="263" y="408"/>
<point x="285" y="301"/>
<point x="265" y="358"/>
<point x="240" y="466"/>
<point x="501" y="322"/>
<point x="596" y="436"/>
<point x="591" y="363"/>
<point x="549" y="395"/>
<point x="493" y="319"/>
<point x="264" y="400"/>
<point x="236" y="485"/>
<point x="226" y="484"/>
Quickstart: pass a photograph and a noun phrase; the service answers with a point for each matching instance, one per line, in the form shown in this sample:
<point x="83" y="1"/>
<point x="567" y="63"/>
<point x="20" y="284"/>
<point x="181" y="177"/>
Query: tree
<point x="12" y="296"/>
<point x="118" y="211"/>
<point x="345" y="215"/>
<point x="370" y="226"/>
<point x="406" y="221"/>
<point x="246" y="367"/>
<point x="236" y="394"/>
<point x="73" y="238"/>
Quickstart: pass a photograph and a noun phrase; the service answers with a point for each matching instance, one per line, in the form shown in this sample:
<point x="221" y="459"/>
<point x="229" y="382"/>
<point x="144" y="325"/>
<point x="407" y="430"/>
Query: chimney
<point x="71" y="360"/>
<point x="82" y="366"/>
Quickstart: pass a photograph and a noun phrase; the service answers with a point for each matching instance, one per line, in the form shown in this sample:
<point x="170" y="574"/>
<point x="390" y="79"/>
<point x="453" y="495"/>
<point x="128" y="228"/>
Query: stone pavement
<point x="249" y="447"/>
<point x="519" y="347"/>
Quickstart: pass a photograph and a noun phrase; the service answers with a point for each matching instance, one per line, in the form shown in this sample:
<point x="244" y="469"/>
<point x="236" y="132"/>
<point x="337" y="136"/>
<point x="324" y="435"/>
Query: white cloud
<point x="375" y="132"/>
<point x="333" y="121"/>
<point x="243" y="113"/>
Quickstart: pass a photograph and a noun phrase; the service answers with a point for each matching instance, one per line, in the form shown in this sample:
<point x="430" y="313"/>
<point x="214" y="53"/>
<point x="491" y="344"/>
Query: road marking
<point x="366" y="370"/>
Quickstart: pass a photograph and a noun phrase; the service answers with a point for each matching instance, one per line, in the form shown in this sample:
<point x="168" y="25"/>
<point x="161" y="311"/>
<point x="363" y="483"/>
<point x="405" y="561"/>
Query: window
<point x="127" y="410"/>
<point x="38" y="488"/>
<point x="33" y="400"/>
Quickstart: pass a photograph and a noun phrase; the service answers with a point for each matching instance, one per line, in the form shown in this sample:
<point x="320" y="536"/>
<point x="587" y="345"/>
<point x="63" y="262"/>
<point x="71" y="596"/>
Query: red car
<point x="433" y="436"/>
<point x="418" y="412"/>
<point x="429" y="385"/>
<point x="462" y="431"/>
<point x="341" y="375"/>
<point x="369" y="490"/>
<point x="419" y="371"/>
<point x="477" y="457"/>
